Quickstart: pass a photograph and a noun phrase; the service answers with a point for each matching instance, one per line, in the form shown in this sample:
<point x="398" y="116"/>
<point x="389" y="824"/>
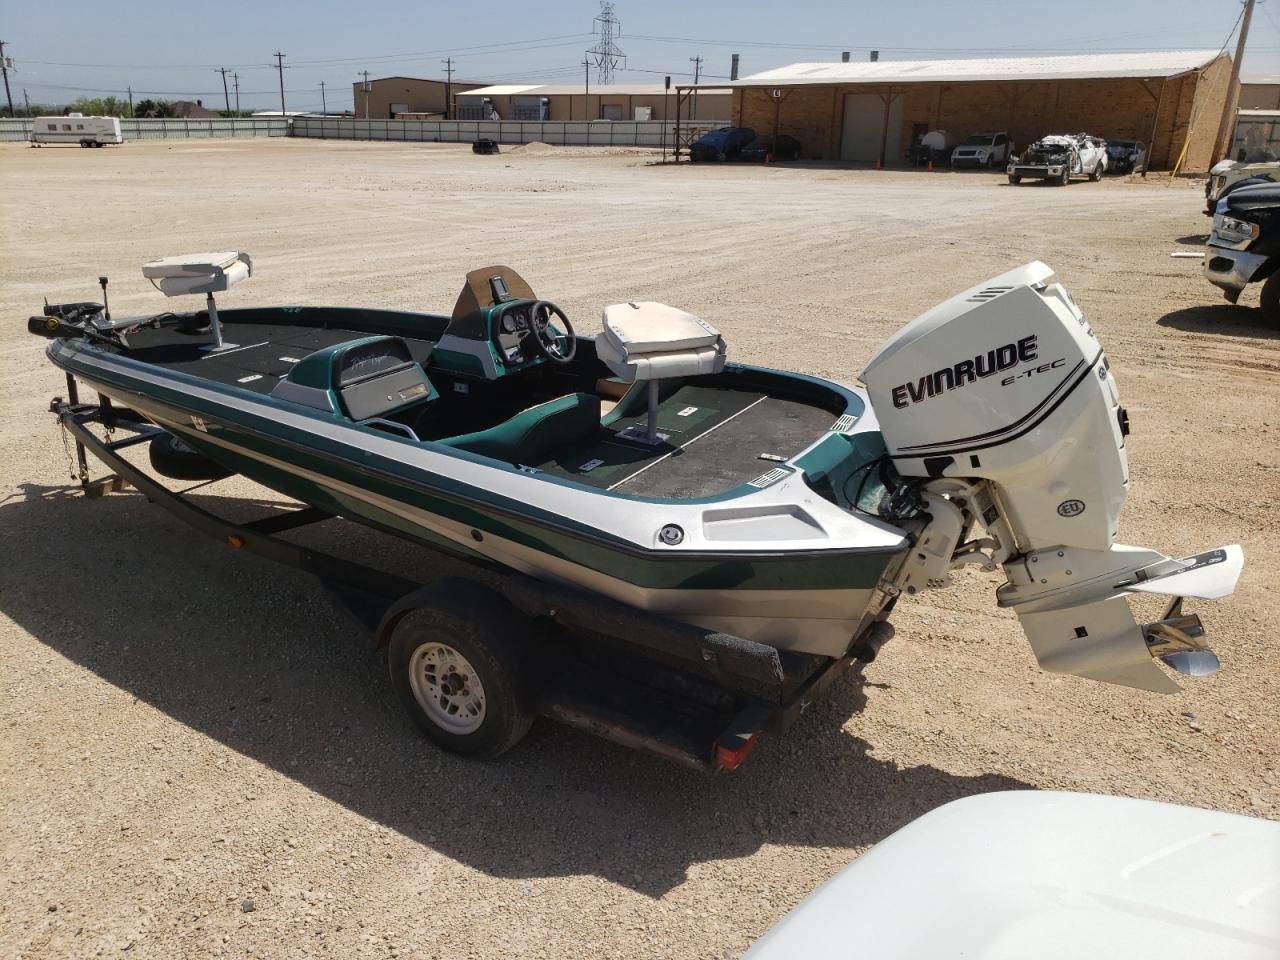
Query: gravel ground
<point x="200" y="759"/>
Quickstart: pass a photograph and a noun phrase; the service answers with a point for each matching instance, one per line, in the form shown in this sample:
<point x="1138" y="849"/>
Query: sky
<point x="63" y="49"/>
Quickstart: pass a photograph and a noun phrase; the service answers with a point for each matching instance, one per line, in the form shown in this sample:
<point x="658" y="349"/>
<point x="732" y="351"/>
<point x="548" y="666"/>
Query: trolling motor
<point x="998" y="407"/>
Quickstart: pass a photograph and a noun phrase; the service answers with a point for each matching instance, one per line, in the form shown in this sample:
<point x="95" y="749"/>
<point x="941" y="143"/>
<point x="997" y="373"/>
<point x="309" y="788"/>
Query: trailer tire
<point x="172" y="458"/>
<point x="1015" y="179"/>
<point x="1269" y="303"/>
<point x="458" y="665"/>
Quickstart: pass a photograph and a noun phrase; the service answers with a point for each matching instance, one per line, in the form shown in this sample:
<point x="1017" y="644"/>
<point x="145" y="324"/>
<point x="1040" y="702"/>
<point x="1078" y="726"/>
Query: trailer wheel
<point x="1270" y="300"/>
<point x="1015" y="179"/>
<point x="172" y="458"/>
<point x="458" y="665"/>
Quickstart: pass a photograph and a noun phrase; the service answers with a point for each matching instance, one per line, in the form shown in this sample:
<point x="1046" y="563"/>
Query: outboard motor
<point x="1001" y="404"/>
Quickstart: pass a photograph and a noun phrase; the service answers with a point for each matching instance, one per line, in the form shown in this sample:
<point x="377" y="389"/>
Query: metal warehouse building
<point x="874" y="111"/>
<point x="618" y="101"/>
<point x="388" y="97"/>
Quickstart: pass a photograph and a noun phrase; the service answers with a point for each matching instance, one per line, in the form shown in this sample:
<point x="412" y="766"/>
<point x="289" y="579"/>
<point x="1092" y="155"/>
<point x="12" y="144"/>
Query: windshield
<point x="980" y="140"/>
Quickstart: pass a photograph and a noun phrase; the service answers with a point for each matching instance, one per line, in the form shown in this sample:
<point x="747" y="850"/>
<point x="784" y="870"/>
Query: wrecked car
<point x="1126" y="156"/>
<point x="1060" y="157"/>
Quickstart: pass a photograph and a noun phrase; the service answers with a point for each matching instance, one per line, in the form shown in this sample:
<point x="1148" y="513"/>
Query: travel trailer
<point x="76" y="128"/>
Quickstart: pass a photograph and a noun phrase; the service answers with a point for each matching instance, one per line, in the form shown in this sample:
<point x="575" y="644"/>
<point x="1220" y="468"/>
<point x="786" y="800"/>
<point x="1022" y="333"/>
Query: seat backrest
<point x="652" y="341"/>
<point x="531" y="436"/>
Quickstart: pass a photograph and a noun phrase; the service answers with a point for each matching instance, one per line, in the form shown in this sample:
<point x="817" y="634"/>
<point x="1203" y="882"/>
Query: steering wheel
<point x="555" y="346"/>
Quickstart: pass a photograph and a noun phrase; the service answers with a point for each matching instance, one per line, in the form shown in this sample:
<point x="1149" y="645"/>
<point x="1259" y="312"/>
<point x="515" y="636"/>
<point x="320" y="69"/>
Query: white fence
<point x="173" y="129"/>
<point x="618" y="133"/>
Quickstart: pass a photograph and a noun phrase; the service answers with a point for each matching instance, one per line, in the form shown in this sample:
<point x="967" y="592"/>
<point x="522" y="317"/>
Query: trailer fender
<point x="456" y="594"/>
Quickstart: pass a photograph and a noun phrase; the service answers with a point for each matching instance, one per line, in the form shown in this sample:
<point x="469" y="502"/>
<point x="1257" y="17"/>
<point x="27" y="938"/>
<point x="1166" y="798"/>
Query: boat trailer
<point x="700" y="698"/>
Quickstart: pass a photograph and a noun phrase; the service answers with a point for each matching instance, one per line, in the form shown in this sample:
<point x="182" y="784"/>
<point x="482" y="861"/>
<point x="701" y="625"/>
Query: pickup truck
<point x="1058" y="158"/>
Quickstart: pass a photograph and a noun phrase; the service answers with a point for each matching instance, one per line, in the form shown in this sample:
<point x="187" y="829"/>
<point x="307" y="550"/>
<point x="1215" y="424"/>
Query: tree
<point x="153" y="108"/>
<point x="101" y="106"/>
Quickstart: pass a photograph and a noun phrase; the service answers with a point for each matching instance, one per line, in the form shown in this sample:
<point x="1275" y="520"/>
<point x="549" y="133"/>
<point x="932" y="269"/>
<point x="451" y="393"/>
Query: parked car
<point x="1060" y="157"/>
<point x="986" y="150"/>
<point x="782" y="147"/>
<point x="1028" y="873"/>
<point x="722" y="144"/>
<point x="1244" y="246"/>
<point x="1228" y="175"/>
<point x="1126" y="156"/>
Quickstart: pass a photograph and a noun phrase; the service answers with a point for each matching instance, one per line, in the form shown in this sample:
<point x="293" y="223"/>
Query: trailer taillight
<point x="730" y="755"/>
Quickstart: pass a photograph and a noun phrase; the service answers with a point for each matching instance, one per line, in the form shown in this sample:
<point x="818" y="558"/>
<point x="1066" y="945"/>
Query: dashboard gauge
<point x="509" y="322"/>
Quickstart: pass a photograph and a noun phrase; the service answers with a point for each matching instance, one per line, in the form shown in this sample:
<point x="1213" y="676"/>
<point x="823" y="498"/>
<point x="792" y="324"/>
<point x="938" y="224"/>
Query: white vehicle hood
<point x="1007" y="876"/>
<point x="1058" y="141"/>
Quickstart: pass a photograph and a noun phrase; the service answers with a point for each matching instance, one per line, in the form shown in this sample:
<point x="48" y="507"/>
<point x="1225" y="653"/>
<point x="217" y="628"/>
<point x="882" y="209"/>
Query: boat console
<point x="499" y="327"/>
<point x="367" y="380"/>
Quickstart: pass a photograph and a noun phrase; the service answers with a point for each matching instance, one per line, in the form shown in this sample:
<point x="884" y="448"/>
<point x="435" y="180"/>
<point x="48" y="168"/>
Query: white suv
<point x="986" y="150"/>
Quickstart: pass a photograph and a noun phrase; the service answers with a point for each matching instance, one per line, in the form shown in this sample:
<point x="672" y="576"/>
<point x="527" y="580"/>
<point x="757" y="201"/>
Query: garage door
<point x="864" y="126"/>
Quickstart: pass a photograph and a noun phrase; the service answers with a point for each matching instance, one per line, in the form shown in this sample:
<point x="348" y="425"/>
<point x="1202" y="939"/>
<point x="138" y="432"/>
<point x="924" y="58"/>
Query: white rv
<point x="76" y="128"/>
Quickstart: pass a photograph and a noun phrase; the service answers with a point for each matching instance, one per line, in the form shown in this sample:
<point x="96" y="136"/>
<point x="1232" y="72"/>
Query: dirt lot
<point x="187" y="730"/>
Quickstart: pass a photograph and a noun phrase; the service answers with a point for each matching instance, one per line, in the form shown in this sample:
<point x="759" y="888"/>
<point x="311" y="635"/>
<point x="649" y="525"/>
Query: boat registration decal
<point x="250" y="378"/>
<point x="686" y="411"/>
<point x="198" y="423"/>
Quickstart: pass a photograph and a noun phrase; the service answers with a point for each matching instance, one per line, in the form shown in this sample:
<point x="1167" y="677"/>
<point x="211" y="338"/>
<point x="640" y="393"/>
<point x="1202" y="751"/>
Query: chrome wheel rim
<point x="447" y="688"/>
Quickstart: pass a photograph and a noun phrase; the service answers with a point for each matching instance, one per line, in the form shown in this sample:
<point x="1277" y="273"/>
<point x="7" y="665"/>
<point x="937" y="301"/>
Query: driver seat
<point x="533" y="435"/>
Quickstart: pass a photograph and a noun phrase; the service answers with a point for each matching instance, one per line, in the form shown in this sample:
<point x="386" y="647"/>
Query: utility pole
<point x="448" y="88"/>
<point x="697" y="72"/>
<point x="280" y="70"/>
<point x="226" y="97"/>
<point x="586" y="88"/>
<point x="27" y="103"/>
<point x="1222" y="145"/>
<point x="130" y="91"/>
<point x="5" y="64"/>
<point x="236" y="78"/>
<point x="324" y="104"/>
<point x="365" y="88"/>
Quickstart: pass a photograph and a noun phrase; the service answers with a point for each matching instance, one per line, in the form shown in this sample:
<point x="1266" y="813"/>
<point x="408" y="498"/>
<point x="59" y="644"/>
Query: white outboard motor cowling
<point x="1002" y="401"/>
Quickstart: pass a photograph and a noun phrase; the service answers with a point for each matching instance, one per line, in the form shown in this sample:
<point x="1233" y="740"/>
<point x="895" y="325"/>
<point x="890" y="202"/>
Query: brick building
<point x="1260" y="93"/>
<point x="862" y="112"/>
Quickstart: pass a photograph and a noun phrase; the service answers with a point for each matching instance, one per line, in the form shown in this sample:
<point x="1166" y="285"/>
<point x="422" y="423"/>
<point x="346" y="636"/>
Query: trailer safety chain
<point x="77" y="472"/>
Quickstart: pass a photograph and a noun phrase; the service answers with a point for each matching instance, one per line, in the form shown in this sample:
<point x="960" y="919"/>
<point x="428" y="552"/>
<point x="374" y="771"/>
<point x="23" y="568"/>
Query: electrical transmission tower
<point x="607" y="54"/>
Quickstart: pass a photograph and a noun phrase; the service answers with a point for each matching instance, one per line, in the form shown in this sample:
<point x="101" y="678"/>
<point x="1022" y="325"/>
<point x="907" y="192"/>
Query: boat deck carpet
<point x="264" y="353"/>
<point x="716" y="439"/>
